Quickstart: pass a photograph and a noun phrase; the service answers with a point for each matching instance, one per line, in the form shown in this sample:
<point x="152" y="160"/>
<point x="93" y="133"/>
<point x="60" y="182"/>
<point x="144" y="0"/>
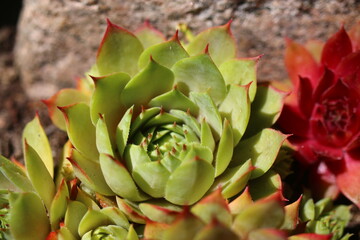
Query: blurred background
<point x="46" y="44"/>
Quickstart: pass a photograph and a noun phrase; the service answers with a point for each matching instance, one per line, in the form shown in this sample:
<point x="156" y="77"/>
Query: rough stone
<point x="57" y="40"/>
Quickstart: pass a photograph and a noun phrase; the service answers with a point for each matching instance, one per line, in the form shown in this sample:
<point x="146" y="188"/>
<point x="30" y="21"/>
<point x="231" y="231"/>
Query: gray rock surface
<point x="57" y="39"/>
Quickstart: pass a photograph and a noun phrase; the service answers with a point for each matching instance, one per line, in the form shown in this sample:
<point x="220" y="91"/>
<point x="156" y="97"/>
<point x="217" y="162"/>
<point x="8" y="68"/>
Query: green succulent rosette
<point x="159" y="119"/>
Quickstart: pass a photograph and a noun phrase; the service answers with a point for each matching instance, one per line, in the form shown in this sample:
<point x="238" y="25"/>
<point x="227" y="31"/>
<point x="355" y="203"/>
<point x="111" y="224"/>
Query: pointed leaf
<point x="64" y="97"/>
<point x="225" y="149"/>
<point x="197" y="175"/>
<point x="89" y="172"/>
<point x="74" y="213"/>
<point x="15" y="175"/>
<point x="119" y="51"/>
<point x="241" y="202"/>
<point x="59" y="205"/>
<point x="36" y="137"/>
<point x="132" y="235"/>
<point x="209" y="111"/>
<point x="131" y="210"/>
<point x="28" y="208"/>
<point x="166" y="53"/>
<point x="222" y="45"/>
<point x="207" y="138"/>
<point x="39" y="175"/>
<point x="152" y="81"/>
<point x="123" y="130"/>
<point x="216" y="231"/>
<point x="148" y="35"/>
<point x="116" y="216"/>
<point x="262" y="149"/>
<point x="236" y="108"/>
<point x="174" y="99"/>
<point x="189" y="120"/>
<point x="93" y="219"/>
<point x="291" y="215"/>
<point x="135" y="155"/>
<point x="241" y="72"/>
<point x="266" y="185"/>
<point x="81" y="131"/>
<point x="106" y="100"/>
<point x="103" y="141"/>
<point x="200" y="74"/>
<point x="160" y="211"/>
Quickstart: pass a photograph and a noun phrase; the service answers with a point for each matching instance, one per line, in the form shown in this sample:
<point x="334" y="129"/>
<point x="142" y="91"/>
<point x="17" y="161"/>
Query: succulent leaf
<point x="222" y="45"/>
<point x="123" y="130"/>
<point x="119" y="51"/>
<point x="225" y="149"/>
<point x="148" y="35"/>
<point x="74" y="213"/>
<point x="93" y="219"/>
<point x="36" y="137"/>
<point x="59" y="205"/>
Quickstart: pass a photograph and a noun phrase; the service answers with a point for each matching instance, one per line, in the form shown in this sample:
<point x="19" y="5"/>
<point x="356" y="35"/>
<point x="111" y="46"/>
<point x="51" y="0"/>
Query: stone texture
<point x="57" y="40"/>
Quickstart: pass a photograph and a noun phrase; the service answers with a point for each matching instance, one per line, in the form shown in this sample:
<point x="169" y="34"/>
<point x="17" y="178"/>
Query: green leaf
<point x="166" y="53"/>
<point x="266" y="213"/>
<point x="222" y="45"/>
<point x="241" y="72"/>
<point x="15" y="175"/>
<point x="152" y="81"/>
<point x="106" y="100"/>
<point x="59" y="205"/>
<point x="103" y="141"/>
<point x="89" y="172"/>
<point x="236" y="108"/>
<point x="216" y="231"/>
<point x="65" y="234"/>
<point x="291" y="215"/>
<point x="28" y="218"/>
<point x="207" y="138"/>
<point x="93" y="219"/>
<point x="188" y="120"/>
<point x="186" y="221"/>
<point x="119" y="51"/>
<point x="64" y="97"/>
<point x="131" y="210"/>
<point x="81" y="131"/>
<point x="39" y="175"/>
<point x="174" y="99"/>
<point x="198" y="151"/>
<point x="119" y="179"/>
<point x="225" y="149"/>
<point x="148" y="35"/>
<point x="265" y="185"/>
<point x="262" y="149"/>
<point x="265" y="109"/>
<point x="234" y="179"/>
<point x="197" y="175"/>
<point x="74" y="213"/>
<point x="143" y="117"/>
<point x="123" y="130"/>
<point x="200" y="74"/>
<point x="160" y="211"/>
<point x="209" y="111"/>
<point x="151" y="178"/>
<point x="135" y="155"/>
<point x="132" y="235"/>
<point x="241" y="202"/>
<point x="116" y="216"/>
<point x="36" y="137"/>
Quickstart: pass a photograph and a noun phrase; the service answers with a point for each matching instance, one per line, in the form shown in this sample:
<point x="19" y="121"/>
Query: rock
<point x="57" y="40"/>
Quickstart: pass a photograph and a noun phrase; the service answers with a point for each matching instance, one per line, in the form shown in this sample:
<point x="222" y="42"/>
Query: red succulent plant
<point x="323" y="113"/>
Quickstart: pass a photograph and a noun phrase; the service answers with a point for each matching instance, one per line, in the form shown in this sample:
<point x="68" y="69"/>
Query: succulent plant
<point x="167" y="121"/>
<point x="323" y="112"/>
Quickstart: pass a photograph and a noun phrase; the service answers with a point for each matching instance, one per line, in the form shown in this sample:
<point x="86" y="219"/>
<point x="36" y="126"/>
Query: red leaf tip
<point x="175" y="37"/>
<point x="206" y="51"/>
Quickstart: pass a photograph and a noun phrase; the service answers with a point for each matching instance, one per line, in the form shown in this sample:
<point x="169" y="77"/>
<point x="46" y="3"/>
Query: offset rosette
<point x="157" y="120"/>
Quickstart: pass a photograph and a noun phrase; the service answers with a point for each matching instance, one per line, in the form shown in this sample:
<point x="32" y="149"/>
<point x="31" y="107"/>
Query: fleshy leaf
<point x="28" y="219"/>
<point x="222" y="45"/>
<point x="268" y="234"/>
<point x="135" y="155"/>
<point x="36" y="137"/>
<point x="160" y="211"/>
<point x="241" y="202"/>
<point x="152" y="178"/>
<point x="119" y="51"/>
<point x="188" y="120"/>
<point x="236" y="108"/>
<point x="103" y="141"/>
<point x="89" y="172"/>
<point x="81" y="131"/>
<point x="93" y="219"/>
<point x="209" y="111"/>
<point x="197" y="175"/>
<point x="15" y="175"/>
<point x="106" y="99"/>
<point x="166" y="53"/>
<point x="64" y="97"/>
<point x="74" y="213"/>
<point x="131" y="210"/>
<point x="174" y="99"/>
<point x="225" y="149"/>
<point x="265" y="109"/>
<point x="265" y="185"/>
<point x="116" y="216"/>
<point x="132" y="235"/>
<point x="200" y="74"/>
<point x="39" y="175"/>
<point x="262" y="149"/>
<point x="59" y="205"/>
<point x="148" y="35"/>
<point x="337" y="47"/>
<point x="241" y="72"/>
<point x="123" y="130"/>
<point x="152" y="81"/>
<point x="291" y="215"/>
<point x="207" y="138"/>
<point x="215" y="231"/>
<point x="266" y="213"/>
